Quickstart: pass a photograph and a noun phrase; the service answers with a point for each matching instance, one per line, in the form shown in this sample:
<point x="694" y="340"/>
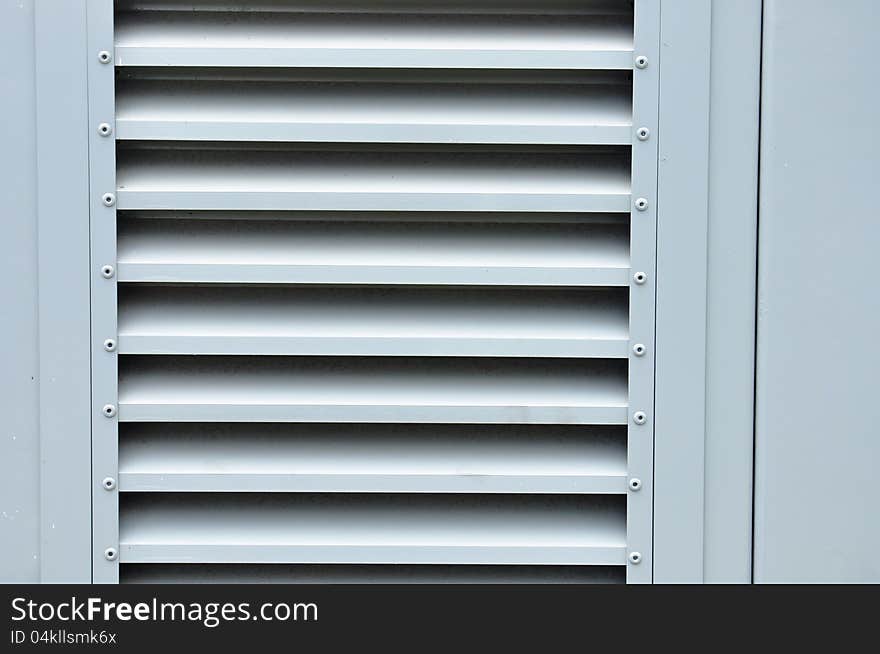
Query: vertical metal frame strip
<point x="732" y="255"/>
<point x="682" y="287"/>
<point x="62" y="288"/>
<point x="102" y="203"/>
<point x="643" y="241"/>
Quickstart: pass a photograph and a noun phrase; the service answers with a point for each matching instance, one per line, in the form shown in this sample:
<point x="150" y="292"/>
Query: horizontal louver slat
<point x="455" y="7"/>
<point x="372" y="459"/>
<point x="351" y="389"/>
<point x="389" y="529"/>
<point x="295" y="252"/>
<point x="379" y="180"/>
<point x="372" y="321"/>
<point x="476" y="111"/>
<point x="158" y="573"/>
<point x="389" y="40"/>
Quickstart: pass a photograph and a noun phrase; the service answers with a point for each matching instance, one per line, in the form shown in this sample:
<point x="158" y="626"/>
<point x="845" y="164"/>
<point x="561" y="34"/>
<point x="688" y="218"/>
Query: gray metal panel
<point x="681" y="291"/>
<point x="725" y="417"/>
<point x="733" y="208"/>
<point x="63" y="268"/>
<point x="817" y="436"/>
<point x="707" y="281"/>
<point x="19" y="385"/>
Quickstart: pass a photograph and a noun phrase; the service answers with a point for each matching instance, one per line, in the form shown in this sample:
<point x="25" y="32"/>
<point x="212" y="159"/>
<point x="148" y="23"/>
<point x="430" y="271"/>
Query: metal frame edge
<point x="62" y="271"/>
<point x="682" y="269"/>
<point x="104" y="401"/>
<point x="643" y="237"/>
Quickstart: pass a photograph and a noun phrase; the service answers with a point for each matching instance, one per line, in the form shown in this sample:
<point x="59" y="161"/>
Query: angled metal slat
<point x="359" y="40"/>
<point x="402" y="253"/>
<point x="378" y="180"/>
<point x="523" y="110"/>
<point x="284" y="528"/>
<point x="373" y="321"/>
<point x="194" y="573"/>
<point x="372" y="389"/>
<point x="274" y="458"/>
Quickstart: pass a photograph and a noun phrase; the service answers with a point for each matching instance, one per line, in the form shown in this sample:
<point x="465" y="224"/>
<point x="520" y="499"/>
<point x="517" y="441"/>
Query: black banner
<point x="415" y="618"/>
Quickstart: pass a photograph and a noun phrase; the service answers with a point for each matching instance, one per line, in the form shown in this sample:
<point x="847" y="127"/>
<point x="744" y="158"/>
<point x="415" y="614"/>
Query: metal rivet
<point x="642" y="204"/>
<point x="104" y="129"/>
<point x="643" y="133"/>
<point x="104" y="57"/>
<point x="108" y="483"/>
<point x="107" y="272"/>
<point x="639" y="349"/>
<point x="109" y="410"/>
<point x="108" y="199"/>
<point x="110" y="345"/>
<point x="635" y="558"/>
<point x="640" y="278"/>
<point x="110" y="554"/>
<point x="635" y="484"/>
<point x="641" y="62"/>
<point x="640" y="417"/>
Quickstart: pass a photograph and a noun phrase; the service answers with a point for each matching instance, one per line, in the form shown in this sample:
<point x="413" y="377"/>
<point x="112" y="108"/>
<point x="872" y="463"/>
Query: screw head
<point x="104" y="129"/>
<point x="108" y="483"/>
<point x="643" y="133"/>
<point x="108" y="199"/>
<point x="109" y="410"/>
<point x="640" y="417"/>
<point x="110" y="345"/>
<point x="104" y="57"/>
<point x="641" y="62"/>
<point x="110" y="554"/>
<point x="635" y="484"/>
<point x="642" y="204"/>
<point x="639" y="349"/>
<point x="107" y="271"/>
<point x="635" y="558"/>
<point x="640" y="278"/>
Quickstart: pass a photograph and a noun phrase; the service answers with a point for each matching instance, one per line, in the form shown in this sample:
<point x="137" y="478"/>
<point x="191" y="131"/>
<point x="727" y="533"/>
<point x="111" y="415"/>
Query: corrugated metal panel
<point x="374" y="306"/>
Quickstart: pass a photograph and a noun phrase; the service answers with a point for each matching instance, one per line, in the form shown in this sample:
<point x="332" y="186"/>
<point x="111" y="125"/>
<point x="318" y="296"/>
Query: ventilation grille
<point x="373" y="265"/>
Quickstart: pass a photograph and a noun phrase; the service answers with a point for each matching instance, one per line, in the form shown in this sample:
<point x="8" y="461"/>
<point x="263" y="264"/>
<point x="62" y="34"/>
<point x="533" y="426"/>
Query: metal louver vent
<point x="380" y="305"/>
